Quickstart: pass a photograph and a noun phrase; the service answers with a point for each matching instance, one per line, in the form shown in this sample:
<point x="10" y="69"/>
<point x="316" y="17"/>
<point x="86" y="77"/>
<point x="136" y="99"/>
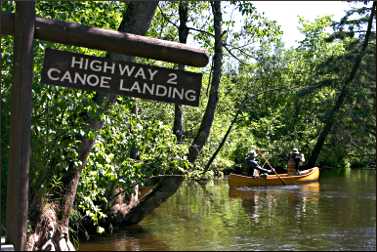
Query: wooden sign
<point x="130" y="79"/>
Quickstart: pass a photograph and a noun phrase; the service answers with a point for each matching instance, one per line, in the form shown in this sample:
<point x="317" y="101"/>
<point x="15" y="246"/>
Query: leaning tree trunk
<point x="50" y="230"/>
<point x="207" y="120"/>
<point x="136" y="20"/>
<point x="134" y="211"/>
<point x="342" y="96"/>
<point x="183" y="34"/>
<point x="165" y="187"/>
<point x="241" y="106"/>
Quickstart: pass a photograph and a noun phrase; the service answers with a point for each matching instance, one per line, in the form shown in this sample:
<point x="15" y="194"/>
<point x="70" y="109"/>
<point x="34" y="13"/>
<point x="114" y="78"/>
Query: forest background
<point x="318" y="96"/>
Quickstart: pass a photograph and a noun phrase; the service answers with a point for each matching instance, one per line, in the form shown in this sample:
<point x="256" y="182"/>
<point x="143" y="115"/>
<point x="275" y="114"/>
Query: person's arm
<point x="302" y="157"/>
<point x="263" y="169"/>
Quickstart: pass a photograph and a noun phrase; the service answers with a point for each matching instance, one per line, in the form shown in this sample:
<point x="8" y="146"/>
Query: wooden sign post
<point x="20" y="135"/>
<point x="1" y="165"/>
<point x="161" y="84"/>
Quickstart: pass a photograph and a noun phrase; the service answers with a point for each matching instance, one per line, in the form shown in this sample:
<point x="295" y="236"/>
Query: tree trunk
<point x="241" y="106"/>
<point x="183" y="34"/>
<point x="178" y="122"/>
<point x="136" y="24"/>
<point x="208" y="117"/>
<point x="136" y="20"/>
<point x="206" y="168"/>
<point x="166" y="187"/>
<point x="330" y="120"/>
<point x="134" y="211"/>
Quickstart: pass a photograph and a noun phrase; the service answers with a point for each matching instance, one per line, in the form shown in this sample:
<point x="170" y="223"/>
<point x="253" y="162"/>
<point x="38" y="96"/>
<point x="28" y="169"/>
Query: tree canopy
<point x="275" y="98"/>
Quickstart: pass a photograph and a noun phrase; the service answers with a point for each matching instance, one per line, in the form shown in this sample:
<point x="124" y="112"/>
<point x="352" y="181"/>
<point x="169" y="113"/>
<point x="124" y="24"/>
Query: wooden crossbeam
<point x="110" y="40"/>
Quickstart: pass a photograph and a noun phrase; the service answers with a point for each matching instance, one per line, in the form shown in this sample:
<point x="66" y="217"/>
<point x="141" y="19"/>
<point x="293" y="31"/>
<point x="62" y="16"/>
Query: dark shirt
<point x="253" y="164"/>
<point x="297" y="158"/>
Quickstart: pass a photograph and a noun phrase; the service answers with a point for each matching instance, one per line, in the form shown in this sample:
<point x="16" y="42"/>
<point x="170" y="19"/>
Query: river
<point x="336" y="213"/>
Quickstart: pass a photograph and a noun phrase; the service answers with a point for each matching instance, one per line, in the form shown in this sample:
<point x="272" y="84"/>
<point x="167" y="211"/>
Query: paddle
<point x="261" y="154"/>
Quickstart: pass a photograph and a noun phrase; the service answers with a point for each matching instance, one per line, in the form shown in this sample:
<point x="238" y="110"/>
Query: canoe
<point x="306" y="176"/>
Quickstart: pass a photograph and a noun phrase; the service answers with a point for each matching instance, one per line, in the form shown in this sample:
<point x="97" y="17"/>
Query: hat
<point x="295" y="150"/>
<point x="252" y="153"/>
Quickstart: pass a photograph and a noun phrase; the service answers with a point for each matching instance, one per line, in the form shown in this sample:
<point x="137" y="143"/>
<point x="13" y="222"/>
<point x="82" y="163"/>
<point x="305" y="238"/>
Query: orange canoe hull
<point x="309" y="175"/>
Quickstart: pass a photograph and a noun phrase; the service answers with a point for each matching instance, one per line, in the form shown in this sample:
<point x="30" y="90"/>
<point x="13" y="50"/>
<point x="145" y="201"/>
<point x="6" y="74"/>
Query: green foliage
<point x="282" y="120"/>
<point x="293" y="91"/>
<point x="110" y="165"/>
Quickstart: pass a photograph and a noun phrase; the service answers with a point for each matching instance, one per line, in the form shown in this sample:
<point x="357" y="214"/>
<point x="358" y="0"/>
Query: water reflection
<point x="263" y="201"/>
<point x="337" y="213"/>
<point x="135" y="238"/>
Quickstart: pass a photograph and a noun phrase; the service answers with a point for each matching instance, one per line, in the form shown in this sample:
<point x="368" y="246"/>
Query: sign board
<point x="130" y="79"/>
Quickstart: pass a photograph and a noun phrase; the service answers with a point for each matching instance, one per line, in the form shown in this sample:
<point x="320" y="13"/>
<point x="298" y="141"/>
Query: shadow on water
<point x="135" y="238"/>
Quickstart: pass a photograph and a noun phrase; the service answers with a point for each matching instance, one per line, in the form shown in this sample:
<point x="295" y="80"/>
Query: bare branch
<point x="239" y="49"/>
<point x="310" y="89"/>
<point x="241" y="106"/>
<point x="200" y="30"/>
<point x="166" y="17"/>
<point x="190" y="28"/>
<point x="234" y="56"/>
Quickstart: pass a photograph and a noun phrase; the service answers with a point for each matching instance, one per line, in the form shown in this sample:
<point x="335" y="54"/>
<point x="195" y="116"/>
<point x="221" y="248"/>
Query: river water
<point x="336" y="213"/>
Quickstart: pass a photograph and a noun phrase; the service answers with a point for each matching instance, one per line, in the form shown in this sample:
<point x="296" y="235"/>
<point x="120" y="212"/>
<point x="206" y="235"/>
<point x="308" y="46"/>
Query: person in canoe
<point x="254" y="169"/>
<point x="298" y="159"/>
